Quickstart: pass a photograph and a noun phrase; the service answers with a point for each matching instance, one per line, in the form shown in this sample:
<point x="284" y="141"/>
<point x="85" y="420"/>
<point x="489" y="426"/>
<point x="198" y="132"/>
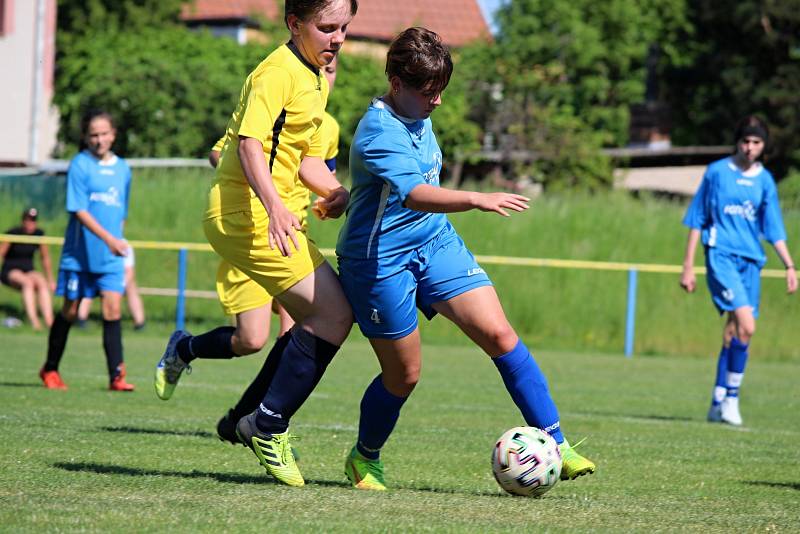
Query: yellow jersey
<point x="282" y="104"/>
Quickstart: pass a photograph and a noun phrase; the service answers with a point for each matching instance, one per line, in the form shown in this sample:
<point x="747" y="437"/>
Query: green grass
<point x="552" y="308"/>
<point x="90" y="460"/>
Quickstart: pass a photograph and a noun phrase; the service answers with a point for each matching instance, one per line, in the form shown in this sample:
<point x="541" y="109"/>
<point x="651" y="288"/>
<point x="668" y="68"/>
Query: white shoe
<point x="714" y="414"/>
<point x="729" y="412"/>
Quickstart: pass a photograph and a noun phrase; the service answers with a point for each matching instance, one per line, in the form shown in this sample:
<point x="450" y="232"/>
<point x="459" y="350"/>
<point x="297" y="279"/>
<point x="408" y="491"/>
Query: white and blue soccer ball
<point x="526" y="461"/>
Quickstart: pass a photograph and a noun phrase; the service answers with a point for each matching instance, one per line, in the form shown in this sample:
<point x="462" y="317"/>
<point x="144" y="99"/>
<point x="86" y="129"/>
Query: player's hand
<point x="500" y="202"/>
<point x="688" y="280"/>
<point x="791" y="280"/>
<point x="333" y="206"/>
<point x="118" y="247"/>
<point x="283" y="227"/>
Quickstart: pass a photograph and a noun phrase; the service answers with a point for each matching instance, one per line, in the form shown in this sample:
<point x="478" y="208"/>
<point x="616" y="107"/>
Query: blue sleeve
<point x="391" y="159"/>
<point x="77" y="187"/>
<point x="331" y="163"/>
<point x="771" y="219"/>
<point x="698" y="213"/>
<point x="127" y="195"/>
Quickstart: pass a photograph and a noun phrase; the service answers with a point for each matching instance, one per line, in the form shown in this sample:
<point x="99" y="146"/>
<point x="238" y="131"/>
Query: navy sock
<point x="528" y="387"/>
<point x="301" y="366"/>
<point x="112" y="344"/>
<point x="56" y="341"/>
<point x="379" y="413"/>
<point x="257" y="389"/>
<point x="737" y="361"/>
<point x="215" y="344"/>
<point x="721" y="382"/>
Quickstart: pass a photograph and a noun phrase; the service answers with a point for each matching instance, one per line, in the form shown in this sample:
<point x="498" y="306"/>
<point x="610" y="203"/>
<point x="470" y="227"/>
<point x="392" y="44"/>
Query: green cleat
<point x="573" y="464"/>
<point x="364" y="473"/>
<point x="273" y="451"/>
<point x="170" y="367"/>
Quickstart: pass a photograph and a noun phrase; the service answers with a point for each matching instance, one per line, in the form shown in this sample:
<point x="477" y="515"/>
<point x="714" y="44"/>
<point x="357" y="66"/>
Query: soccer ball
<point x="526" y="461"/>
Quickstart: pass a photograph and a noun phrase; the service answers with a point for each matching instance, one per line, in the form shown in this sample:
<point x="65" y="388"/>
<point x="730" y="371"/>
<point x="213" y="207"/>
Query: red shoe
<point x="51" y="379"/>
<point x="118" y="382"/>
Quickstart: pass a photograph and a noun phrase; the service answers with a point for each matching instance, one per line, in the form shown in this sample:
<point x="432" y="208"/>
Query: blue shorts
<point x="734" y="281"/>
<point x="74" y="285"/>
<point x="386" y="292"/>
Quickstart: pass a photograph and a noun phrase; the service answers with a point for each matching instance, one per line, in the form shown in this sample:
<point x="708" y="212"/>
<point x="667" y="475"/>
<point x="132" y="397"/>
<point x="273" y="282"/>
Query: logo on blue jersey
<point x="109" y="198"/>
<point x="745" y="209"/>
<point x="728" y="295"/>
<point x="473" y="272"/>
<point x="432" y="176"/>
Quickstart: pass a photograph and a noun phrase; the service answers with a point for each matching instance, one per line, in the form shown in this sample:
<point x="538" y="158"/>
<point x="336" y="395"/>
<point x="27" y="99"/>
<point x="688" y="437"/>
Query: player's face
<point x="750" y="148"/>
<point x="320" y="37"/>
<point x="99" y="137"/>
<point x="329" y="71"/>
<point x="416" y="103"/>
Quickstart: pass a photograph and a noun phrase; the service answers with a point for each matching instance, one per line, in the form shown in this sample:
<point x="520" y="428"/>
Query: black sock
<point x="257" y="389"/>
<point x="301" y="366"/>
<point x="112" y="344"/>
<point x="215" y="344"/>
<point x="56" y="341"/>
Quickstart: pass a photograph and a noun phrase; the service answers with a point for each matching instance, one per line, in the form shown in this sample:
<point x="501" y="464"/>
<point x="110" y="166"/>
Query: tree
<point x="744" y="57"/>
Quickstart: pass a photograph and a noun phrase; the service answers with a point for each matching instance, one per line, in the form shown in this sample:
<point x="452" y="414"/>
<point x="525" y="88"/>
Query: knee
<point x="249" y="343"/>
<point x="112" y="311"/>
<point x="26" y="283"/>
<point x="501" y="338"/>
<point x="746" y="331"/>
<point x="401" y="384"/>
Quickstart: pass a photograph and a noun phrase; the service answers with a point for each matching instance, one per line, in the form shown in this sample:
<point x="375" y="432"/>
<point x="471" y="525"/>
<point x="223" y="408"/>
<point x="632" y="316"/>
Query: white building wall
<point x="22" y="141"/>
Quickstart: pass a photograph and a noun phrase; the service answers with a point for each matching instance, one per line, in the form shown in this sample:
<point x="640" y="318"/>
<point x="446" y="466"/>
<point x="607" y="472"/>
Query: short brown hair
<point x="420" y="59"/>
<point x="306" y="9"/>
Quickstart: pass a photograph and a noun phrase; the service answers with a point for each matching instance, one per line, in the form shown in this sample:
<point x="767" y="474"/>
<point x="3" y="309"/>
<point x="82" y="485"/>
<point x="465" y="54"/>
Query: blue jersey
<point x="102" y="190"/>
<point x="389" y="156"/>
<point x="733" y="210"/>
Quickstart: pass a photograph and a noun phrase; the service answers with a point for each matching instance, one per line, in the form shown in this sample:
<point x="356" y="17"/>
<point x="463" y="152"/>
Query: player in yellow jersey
<point x="250" y="303"/>
<point x="252" y="222"/>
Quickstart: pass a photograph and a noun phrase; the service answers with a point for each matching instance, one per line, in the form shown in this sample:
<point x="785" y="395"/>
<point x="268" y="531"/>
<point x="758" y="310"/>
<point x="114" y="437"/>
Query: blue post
<point x="630" y="318"/>
<point x="180" y="305"/>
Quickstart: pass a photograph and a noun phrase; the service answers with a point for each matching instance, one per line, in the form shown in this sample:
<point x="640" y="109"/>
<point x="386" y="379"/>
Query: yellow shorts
<point x="254" y="272"/>
<point x="237" y="292"/>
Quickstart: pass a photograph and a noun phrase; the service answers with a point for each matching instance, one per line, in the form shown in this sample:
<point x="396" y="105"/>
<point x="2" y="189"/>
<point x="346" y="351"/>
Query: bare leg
<point x="27" y="286"/>
<point x="45" y="301"/>
<point x="135" y="304"/>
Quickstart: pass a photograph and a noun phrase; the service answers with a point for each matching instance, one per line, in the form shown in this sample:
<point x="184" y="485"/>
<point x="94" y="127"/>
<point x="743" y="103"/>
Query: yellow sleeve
<point x="218" y="145"/>
<point x="267" y="94"/>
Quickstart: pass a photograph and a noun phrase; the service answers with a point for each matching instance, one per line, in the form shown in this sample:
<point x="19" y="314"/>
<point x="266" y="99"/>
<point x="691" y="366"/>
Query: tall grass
<point x="551" y="308"/>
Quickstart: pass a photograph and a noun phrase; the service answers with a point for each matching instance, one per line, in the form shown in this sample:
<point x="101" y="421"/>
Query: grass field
<point x="90" y="460"/>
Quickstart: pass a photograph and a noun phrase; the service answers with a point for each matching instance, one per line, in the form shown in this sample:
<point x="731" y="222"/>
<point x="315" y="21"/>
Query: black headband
<point x="753" y="131"/>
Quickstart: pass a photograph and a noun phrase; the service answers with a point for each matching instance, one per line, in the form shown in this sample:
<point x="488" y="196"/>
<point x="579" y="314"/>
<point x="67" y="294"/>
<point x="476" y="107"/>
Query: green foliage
<point x="170" y="90"/>
<point x="742" y="58"/>
<point x="566" y="73"/>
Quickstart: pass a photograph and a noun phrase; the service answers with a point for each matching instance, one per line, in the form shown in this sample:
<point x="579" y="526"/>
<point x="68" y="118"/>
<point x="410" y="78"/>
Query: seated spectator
<point x="18" y="272"/>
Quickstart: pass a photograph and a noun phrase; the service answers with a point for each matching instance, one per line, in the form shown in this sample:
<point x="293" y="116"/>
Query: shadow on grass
<point x="135" y="430"/>
<point x="232" y="478"/>
<point x="784" y="485"/>
<point x="644" y="417"/>
<point x="37" y="385"/>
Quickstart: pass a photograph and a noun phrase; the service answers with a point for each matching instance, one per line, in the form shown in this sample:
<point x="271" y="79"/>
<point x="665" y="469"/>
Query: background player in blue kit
<point x="398" y="252"/>
<point x="98" y="186"/>
<point x="736" y="204"/>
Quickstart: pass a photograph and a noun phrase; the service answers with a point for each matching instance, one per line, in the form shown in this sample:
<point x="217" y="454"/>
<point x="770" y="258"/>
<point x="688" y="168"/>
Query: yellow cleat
<point x="573" y="465"/>
<point x="364" y="473"/>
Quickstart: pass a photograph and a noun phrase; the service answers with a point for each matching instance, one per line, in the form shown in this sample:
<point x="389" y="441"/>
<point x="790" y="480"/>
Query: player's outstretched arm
<point x="788" y="262"/>
<point x="318" y="178"/>
<point x="442" y="200"/>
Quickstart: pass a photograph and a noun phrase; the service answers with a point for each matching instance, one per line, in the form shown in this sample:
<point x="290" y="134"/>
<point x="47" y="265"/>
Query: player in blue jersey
<point x="736" y="204"/>
<point x="397" y="252"/>
<point x="98" y="185"/>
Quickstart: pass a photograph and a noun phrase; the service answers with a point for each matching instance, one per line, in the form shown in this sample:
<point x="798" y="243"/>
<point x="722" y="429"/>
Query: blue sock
<point x="721" y="383"/>
<point x="528" y="387"/>
<point x="737" y="361"/>
<point x="379" y="413"/>
<point x="299" y="370"/>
